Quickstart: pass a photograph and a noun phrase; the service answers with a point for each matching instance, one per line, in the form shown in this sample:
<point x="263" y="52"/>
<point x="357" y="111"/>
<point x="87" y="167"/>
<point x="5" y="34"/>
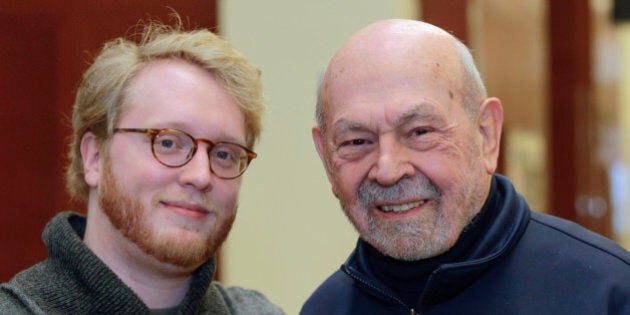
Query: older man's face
<point x="402" y="155"/>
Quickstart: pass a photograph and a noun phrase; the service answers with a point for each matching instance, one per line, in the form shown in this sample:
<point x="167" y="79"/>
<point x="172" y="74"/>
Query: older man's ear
<point x="320" y="146"/>
<point x="490" y="125"/>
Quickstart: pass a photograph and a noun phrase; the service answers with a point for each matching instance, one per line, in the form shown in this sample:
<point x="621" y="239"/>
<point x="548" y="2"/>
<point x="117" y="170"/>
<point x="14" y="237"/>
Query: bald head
<point x="402" y="50"/>
<point x="392" y="38"/>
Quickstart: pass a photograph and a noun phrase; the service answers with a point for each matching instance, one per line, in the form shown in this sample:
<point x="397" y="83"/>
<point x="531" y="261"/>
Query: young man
<point x="410" y="142"/>
<point x="162" y="132"/>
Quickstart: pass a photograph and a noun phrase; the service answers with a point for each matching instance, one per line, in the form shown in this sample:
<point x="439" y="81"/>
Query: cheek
<point x="455" y="171"/>
<point x="225" y="194"/>
<point x="347" y="179"/>
<point x="135" y="166"/>
<point x="136" y="177"/>
<point x="446" y="168"/>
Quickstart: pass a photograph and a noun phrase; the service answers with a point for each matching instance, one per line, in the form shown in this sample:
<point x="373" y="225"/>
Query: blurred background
<point x="561" y="68"/>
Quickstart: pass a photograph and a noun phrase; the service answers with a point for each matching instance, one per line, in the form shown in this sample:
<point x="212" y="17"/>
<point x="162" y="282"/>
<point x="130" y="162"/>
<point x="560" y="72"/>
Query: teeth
<point x="402" y="208"/>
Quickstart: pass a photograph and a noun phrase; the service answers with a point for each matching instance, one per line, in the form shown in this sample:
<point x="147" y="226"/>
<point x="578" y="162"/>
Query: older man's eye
<point x="419" y="131"/>
<point x="354" y="142"/>
<point x="355" y="148"/>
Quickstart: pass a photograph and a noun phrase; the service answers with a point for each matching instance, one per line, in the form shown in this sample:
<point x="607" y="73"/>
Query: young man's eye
<point x="167" y="144"/>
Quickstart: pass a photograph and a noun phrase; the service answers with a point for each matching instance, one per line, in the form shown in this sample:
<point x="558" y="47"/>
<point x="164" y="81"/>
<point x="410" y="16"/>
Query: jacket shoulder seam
<point x="581" y="240"/>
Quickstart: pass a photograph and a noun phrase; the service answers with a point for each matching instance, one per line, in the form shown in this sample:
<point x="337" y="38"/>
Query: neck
<point x="157" y="284"/>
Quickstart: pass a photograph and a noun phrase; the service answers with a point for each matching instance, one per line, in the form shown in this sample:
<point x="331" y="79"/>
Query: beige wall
<point x="290" y="233"/>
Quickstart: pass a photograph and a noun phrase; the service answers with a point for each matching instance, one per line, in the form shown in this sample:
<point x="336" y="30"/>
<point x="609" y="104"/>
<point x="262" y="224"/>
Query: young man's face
<point x="177" y="215"/>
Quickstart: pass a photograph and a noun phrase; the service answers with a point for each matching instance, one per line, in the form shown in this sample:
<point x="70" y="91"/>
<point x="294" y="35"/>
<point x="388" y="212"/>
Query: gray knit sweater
<point x="74" y="281"/>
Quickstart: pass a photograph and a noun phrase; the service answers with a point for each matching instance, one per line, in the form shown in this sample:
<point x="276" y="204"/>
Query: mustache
<point x="417" y="187"/>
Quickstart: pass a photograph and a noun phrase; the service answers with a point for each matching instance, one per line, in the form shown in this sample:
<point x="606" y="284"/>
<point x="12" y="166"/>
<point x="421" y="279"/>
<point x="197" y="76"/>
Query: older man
<point x="410" y="141"/>
<point x="163" y="131"/>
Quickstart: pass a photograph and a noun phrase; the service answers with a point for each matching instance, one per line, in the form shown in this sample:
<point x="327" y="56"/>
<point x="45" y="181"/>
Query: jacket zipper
<point x="352" y="275"/>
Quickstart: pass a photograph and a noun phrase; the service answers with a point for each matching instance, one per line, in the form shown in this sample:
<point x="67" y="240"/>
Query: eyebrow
<point x="344" y="125"/>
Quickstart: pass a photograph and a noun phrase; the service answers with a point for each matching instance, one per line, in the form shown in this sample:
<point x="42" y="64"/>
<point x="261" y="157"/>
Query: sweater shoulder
<point x="246" y="301"/>
<point x="12" y="301"/>
<point x="16" y="298"/>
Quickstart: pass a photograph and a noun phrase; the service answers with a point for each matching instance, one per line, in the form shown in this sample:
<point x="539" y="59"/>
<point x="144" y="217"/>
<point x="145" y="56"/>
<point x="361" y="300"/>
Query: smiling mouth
<point x="187" y="209"/>
<point x="402" y="207"/>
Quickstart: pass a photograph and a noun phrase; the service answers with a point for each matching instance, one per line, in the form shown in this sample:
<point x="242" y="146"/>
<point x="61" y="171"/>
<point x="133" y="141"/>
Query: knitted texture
<point x="72" y="280"/>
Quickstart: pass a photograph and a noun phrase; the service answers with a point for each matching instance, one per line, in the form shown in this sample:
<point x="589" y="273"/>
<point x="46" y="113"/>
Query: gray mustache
<point x="417" y="187"/>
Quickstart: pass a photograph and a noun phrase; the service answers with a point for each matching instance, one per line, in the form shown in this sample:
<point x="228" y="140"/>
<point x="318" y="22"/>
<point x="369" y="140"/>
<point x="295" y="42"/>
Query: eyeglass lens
<point x="175" y="149"/>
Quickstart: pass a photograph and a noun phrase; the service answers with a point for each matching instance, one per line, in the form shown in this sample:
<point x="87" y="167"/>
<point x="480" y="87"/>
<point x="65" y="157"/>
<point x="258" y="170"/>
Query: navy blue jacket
<point x="524" y="263"/>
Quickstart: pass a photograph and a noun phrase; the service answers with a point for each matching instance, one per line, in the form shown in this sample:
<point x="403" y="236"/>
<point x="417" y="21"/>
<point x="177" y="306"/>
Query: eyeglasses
<point x="175" y="148"/>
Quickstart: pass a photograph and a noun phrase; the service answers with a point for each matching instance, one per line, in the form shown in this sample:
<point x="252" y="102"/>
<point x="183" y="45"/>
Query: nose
<point x="393" y="162"/>
<point x="196" y="172"/>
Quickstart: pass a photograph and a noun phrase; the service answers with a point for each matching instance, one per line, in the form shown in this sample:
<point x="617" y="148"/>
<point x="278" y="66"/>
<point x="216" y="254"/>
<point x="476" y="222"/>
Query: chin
<point x="410" y="248"/>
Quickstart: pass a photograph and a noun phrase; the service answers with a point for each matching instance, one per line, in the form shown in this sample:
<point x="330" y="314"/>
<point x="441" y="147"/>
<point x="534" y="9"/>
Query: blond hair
<point x="101" y="93"/>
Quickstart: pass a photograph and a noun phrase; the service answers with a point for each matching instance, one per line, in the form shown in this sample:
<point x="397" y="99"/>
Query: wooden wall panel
<point x="45" y="45"/>
<point x="577" y="179"/>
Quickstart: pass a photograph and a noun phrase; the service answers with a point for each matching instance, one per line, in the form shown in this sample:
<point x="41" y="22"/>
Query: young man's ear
<point x="91" y="157"/>
<point x="320" y="146"/>
<point x="490" y="125"/>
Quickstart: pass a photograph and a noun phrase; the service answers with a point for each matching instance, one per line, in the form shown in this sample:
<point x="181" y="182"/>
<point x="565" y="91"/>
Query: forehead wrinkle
<point x="421" y="112"/>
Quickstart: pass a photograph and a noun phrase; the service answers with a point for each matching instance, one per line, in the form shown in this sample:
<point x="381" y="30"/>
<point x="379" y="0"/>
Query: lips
<point x="186" y="208"/>
<point x="401" y="207"/>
